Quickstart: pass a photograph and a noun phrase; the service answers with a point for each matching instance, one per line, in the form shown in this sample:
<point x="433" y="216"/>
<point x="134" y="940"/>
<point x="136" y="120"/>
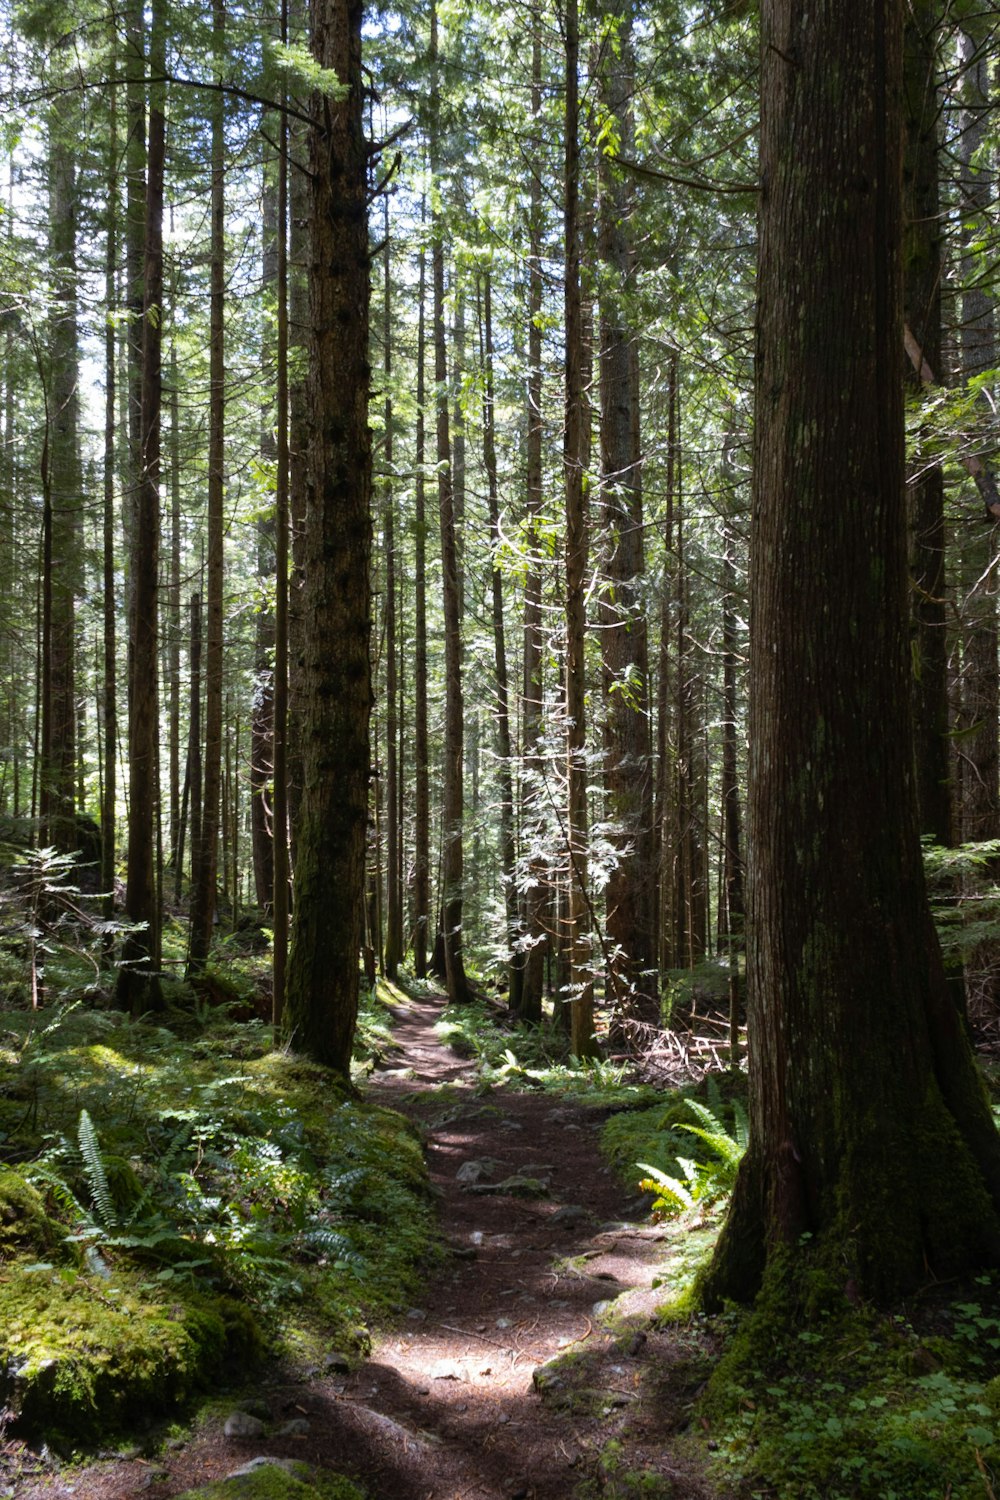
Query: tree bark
<point x="393" y="951"/>
<point x="453" y="791"/>
<point x="628" y="770"/>
<point x="205" y="870"/>
<point x="323" y="973"/>
<point x="421" y="768"/>
<point x="581" y="986"/>
<point x="528" y="978"/>
<point x="870" y="1129"/>
<point x="138" y="982"/>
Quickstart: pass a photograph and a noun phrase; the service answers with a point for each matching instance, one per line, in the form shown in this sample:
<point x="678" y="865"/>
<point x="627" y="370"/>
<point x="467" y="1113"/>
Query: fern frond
<point x="666" y="1188"/>
<point x="97" y="1177"/>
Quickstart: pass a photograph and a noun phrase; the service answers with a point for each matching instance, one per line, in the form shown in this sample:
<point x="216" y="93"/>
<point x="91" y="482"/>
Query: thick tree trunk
<point x="323" y="973"/>
<point x="870" y="1129"/>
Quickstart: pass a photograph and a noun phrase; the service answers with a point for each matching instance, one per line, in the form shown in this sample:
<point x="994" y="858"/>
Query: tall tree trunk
<point x="421" y="769"/>
<point x="139" y="984"/>
<point x="322" y="991"/>
<point x="64" y="580"/>
<point x="666" y="727"/>
<point x="625" y="653"/>
<point x="109" y="788"/>
<point x="581" y="985"/>
<point x="279" y="806"/>
<point x="504" y="746"/>
<point x="174" y="625"/>
<point x="204" y="873"/>
<point x="528" y="978"/>
<point x="453" y="792"/>
<point x="393" y="951"/>
<point x="870" y="1130"/>
<point x="192" y="776"/>
<point x="262" y="719"/>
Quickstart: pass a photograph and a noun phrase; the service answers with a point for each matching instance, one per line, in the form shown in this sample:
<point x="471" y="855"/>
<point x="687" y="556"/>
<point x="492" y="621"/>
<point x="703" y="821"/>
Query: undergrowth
<point x="179" y="1161"/>
<point x="852" y="1404"/>
<point x="530" y="1057"/>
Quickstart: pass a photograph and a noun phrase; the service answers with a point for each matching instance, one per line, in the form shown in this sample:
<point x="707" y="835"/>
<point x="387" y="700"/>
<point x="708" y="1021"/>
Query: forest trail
<point x="449" y="1405"/>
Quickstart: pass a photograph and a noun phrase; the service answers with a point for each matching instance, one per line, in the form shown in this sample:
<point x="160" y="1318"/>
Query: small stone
<point x="472" y="1171"/>
<point x="240" y="1424"/>
<point x="337" y="1364"/>
<point x="417" y="1315"/>
<point x="570" y="1213"/>
<point x="294" y="1427"/>
<point x="503" y="1418"/>
<point x="287" y="1465"/>
<point x="503" y="1323"/>
<point x="600" y="1308"/>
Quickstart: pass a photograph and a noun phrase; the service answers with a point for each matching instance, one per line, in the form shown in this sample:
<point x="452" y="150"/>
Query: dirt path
<point x="459" y="1403"/>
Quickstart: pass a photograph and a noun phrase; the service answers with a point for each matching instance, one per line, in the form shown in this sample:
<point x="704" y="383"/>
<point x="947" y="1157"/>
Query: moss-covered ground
<point x="177" y="1196"/>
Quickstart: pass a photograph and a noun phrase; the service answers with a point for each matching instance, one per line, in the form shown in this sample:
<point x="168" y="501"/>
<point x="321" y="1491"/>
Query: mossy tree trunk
<point x="870" y="1128"/>
<point x="322" y="984"/>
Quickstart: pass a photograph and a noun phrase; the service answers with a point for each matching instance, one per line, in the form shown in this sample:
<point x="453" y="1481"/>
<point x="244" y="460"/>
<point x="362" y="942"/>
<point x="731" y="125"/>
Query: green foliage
<point x="199" y="1163"/>
<point x="274" y="1481"/>
<point x="965" y="898"/>
<point x="84" y="1355"/>
<point x="852" y="1405"/>
<point x="704" y="1180"/>
<point x="528" y="1057"/>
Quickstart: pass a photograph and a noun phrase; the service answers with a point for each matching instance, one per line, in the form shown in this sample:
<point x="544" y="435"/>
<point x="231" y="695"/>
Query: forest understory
<point x="530" y="1366"/>
<point x="548" y="1345"/>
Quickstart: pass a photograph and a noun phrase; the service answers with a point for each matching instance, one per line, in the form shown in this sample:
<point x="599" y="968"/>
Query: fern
<point x="703" y="1181"/>
<point x="94" y="1170"/>
<point x="667" y="1189"/>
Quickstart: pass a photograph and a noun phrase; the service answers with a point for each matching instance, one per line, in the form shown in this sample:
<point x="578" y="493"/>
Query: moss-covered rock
<point x="80" y="1356"/>
<point x="24" y="1224"/>
<point x="278" y="1480"/>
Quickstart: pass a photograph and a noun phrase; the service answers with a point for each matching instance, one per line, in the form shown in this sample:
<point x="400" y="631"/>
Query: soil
<point x="514" y="1372"/>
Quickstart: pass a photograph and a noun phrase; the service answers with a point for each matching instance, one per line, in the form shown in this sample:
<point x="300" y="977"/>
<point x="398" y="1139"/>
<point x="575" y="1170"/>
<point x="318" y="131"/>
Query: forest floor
<point x="531" y="1366"/>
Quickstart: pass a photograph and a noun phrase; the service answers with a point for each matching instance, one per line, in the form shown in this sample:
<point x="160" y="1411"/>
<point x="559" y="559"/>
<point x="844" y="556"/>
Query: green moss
<point x="829" y="1401"/>
<point x="81" y="1356"/>
<point x="276" y="1482"/>
<point x="24" y="1224"/>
